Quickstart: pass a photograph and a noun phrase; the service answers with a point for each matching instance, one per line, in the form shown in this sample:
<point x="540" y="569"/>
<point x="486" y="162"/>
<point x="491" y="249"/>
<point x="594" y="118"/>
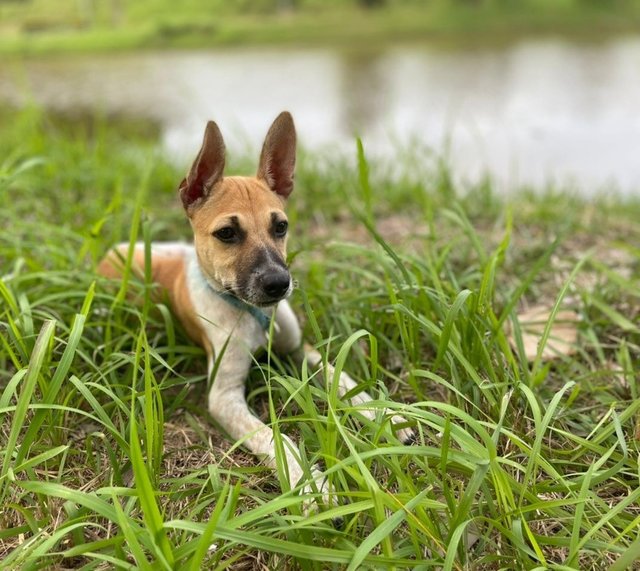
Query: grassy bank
<point x="107" y="459"/>
<point x="45" y="26"/>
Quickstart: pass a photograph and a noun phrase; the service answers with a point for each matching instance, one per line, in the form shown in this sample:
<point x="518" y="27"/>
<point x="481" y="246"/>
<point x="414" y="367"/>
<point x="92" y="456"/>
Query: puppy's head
<point x="239" y="224"/>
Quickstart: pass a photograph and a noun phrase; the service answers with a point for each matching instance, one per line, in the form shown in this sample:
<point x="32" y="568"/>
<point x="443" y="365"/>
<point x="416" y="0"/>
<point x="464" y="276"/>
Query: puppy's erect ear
<point x="206" y="169"/>
<point x="278" y="157"/>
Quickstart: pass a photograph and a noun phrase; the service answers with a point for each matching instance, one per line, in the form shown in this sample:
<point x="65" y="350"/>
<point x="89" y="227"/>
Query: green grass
<point x="107" y="459"/>
<point x="47" y="26"/>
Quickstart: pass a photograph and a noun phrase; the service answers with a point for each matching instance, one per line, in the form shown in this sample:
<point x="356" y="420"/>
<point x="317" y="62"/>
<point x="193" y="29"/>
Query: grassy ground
<point x="46" y="26"/>
<point x="107" y="459"/>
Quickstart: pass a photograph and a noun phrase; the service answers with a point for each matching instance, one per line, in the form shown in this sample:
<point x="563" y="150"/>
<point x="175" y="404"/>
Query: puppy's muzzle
<point x="275" y="285"/>
<point x="269" y="280"/>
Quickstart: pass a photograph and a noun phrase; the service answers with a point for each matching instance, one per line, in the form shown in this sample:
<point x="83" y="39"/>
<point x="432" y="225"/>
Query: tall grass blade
<point x="383" y="531"/>
<point x="40" y="354"/>
<point x="146" y="496"/>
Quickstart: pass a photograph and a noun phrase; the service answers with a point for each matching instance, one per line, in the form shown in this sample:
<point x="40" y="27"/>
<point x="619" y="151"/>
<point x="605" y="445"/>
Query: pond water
<point x="528" y="113"/>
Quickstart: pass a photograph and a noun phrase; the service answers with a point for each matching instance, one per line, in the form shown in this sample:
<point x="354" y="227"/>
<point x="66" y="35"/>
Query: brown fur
<point x="253" y="204"/>
<point x="169" y="273"/>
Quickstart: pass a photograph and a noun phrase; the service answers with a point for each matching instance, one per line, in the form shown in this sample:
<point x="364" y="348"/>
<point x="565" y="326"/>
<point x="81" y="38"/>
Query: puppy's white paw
<point x="406" y="435"/>
<point x="318" y="487"/>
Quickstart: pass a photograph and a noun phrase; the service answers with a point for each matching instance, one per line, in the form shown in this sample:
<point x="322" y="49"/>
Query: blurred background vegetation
<point x="27" y="25"/>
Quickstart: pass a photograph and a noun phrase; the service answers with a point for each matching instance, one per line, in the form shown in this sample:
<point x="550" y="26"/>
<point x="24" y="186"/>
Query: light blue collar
<point x="259" y="316"/>
<point x="263" y="320"/>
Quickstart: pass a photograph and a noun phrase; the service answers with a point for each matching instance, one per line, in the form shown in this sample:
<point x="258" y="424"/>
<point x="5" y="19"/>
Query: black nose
<point x="276" y="285"/>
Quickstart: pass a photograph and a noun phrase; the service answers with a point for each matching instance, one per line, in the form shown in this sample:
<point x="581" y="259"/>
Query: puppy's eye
<point x="226" y="234"/>
<point x="280" y="228"/>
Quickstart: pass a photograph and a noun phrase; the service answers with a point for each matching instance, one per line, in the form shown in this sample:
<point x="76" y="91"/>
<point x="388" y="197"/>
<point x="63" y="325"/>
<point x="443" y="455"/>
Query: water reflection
<point x="527" y="112"/>
<point x="365" y="90"/>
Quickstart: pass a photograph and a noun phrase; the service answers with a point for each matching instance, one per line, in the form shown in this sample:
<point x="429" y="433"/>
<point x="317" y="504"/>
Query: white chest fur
<point x="223" y="323"/>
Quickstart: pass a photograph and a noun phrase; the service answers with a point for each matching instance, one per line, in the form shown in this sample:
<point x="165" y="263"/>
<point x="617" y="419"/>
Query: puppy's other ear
<point x="278" y="157"/>
<point x="206" y="169"/>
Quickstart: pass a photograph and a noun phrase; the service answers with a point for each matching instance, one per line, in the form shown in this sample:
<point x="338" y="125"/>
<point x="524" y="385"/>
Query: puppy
<point x="233" y="282"/>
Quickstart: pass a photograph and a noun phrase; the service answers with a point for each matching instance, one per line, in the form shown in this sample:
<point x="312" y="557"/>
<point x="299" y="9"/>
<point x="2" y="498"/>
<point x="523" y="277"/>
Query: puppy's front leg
<point x="228" y="407"/>
<point x="346" y="384"/>
<point x="288" y="340"/>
